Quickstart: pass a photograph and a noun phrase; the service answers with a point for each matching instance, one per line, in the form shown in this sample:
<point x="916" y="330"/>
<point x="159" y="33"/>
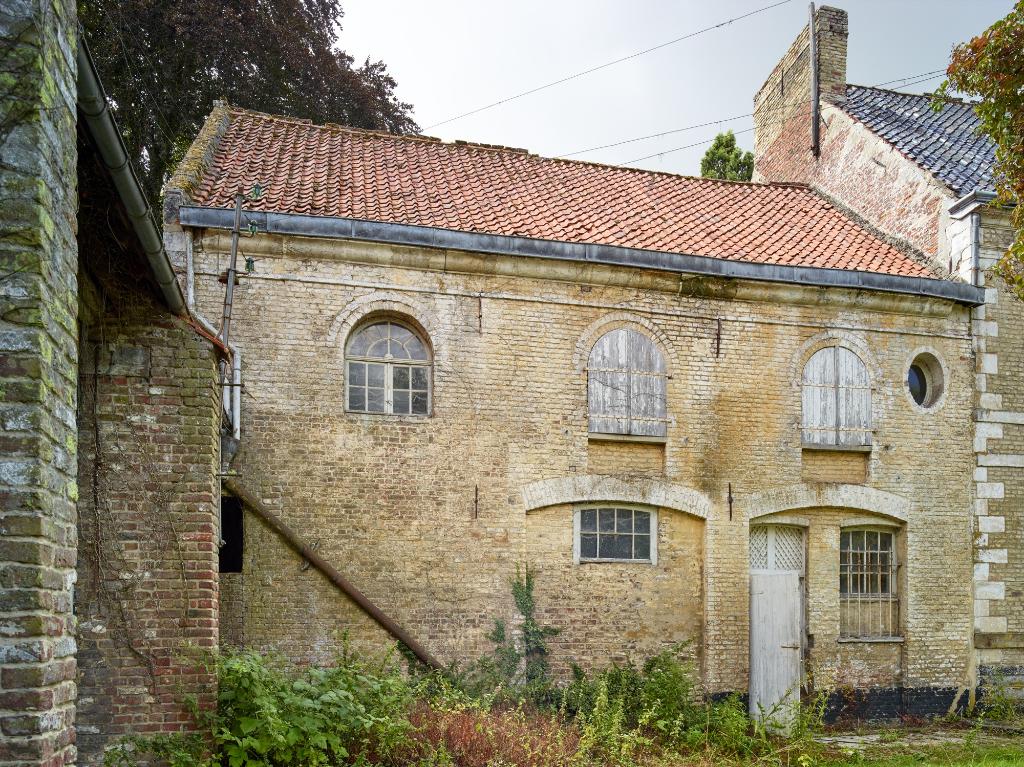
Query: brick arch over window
<point x="809" y="496"/>
<point x="406" y="309"/>
<point x="852" y="341"/>
<point x="594" y="488"/>
<point x="609" y="322"/>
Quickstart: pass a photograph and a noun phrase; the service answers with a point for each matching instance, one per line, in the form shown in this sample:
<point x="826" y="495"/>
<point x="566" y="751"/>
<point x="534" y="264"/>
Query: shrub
<point x="270" y="713"/>
<point x="661" y="692"/>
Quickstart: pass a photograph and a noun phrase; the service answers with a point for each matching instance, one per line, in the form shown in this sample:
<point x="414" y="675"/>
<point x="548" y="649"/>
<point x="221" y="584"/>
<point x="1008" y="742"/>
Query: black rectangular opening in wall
<point x="231" y="532"/>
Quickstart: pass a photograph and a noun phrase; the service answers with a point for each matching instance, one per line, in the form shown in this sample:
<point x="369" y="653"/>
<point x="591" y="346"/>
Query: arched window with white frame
<point x="836" y="399"/>
<point x="626" y="384"/>
<point x="387" y="370"/>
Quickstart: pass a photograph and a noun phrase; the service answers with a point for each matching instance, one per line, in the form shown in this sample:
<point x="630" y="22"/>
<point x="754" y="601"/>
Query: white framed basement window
<point x="869" y="605"/>
<point x="608" y="532"/>
<point x="387" y="370"/>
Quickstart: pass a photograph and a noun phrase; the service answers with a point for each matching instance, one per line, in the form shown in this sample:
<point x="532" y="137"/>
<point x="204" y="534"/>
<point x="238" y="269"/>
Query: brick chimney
<point x="786" y="94"/>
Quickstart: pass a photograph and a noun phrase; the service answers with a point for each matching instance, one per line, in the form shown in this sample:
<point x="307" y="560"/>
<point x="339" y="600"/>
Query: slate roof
<point x="334" y="171"/>
<point x="945" y="143"/>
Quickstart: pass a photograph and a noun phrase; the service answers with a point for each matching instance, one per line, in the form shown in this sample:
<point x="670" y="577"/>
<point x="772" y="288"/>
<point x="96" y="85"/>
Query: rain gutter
<point x="330" y="227"/>
<point x="95" y="113"/>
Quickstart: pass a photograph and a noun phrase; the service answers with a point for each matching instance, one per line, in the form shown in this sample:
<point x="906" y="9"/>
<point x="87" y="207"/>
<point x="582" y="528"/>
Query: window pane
<point x="375" y="374"/>
<point x="356" y="398"/>
<point x="588" y="546"/>
<point x="415" y="349"/>
<point x="419" y="378"/>
<point x="588" y="520"/>
<point x="624" y="521"/>
<point x="419" y="403"/>
<point x="607" y="520"/>
<point x="360" y="343"/>
<point x="357" y="373"/>
<point x="372" y="342"/>
<point x="616" y="546"/>
<point x="401" y="376"/>
<point x="375" y="401"/>
<point x="401" y="402"/>
<point x="642" y="521"/>
<point x="642" y="547"/>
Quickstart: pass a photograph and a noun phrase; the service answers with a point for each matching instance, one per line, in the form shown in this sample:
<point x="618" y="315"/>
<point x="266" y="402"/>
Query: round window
<point x="925" y="380"/>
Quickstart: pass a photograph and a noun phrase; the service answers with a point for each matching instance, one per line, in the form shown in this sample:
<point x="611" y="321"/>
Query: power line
<point x="654" y="135"/>
<point x="735" y="117"/>
<point x="607" y="64"/>
<point x="680" y="148"/>
<point x="748" y="130"/>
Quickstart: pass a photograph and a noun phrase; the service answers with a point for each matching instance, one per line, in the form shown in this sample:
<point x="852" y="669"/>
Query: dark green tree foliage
<point x="727" y="161"/>
<point x="164" y="62"/>
<point x="991" y="67"/>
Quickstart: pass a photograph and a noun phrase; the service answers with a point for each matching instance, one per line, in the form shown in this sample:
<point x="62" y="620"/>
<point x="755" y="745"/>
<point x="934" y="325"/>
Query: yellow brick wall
<point x="427" y="517"/>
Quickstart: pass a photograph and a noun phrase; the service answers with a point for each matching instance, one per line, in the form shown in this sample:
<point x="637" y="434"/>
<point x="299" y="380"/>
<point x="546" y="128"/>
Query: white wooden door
<point x="776" y="623"/>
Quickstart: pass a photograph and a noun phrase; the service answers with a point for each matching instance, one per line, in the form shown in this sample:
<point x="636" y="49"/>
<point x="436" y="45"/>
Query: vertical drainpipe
<point x="236" y="394"/>
<point x="976" y="250"/>
<point x="815" y="96"/>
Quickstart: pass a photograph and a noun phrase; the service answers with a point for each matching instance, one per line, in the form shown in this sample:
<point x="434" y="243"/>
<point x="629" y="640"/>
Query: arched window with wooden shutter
<point x="836" y="399"/>
<point x="626" y="378"/>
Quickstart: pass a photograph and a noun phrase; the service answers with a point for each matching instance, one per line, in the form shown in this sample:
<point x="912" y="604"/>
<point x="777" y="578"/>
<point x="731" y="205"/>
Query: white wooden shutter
<point x="819" y="398"/>
<point x="608" y="385"/>
<point x="854" y="399"/>
<point x="647" y="386"/>
<point x="836" y="399"/>
<point x="627" y="385"/>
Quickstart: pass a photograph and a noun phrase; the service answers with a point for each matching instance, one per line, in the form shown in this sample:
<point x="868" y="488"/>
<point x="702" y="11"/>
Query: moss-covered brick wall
<point x="38" y="380"/>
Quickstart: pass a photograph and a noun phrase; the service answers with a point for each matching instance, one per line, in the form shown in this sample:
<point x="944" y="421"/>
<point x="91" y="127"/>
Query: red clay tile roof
<point x="334" y="171"/>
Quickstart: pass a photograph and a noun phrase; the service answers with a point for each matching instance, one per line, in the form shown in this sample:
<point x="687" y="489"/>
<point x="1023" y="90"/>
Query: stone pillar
<point x="38" y="375"/>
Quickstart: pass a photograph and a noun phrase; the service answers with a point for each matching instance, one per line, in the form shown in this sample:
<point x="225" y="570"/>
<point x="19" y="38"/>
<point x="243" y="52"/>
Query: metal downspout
<point x="976" y="250"/>
<point x="92" y="105"/>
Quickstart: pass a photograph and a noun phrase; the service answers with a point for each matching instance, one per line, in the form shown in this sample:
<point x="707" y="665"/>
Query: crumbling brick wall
<point x="38" y="373"/>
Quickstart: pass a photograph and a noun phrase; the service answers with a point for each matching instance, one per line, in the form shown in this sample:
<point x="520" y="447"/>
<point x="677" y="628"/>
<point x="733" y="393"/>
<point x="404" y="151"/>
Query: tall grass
<point x="503" y="710"/>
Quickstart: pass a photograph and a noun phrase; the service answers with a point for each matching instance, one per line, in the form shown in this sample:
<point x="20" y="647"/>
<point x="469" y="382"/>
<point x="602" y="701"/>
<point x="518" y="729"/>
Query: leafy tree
<point x="727" y="161"/>
<point x="164" y="62"/>
<point x="991" y="67"/>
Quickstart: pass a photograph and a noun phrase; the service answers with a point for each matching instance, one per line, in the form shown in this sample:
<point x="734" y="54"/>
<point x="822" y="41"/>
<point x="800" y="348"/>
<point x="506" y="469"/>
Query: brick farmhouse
<point x="774" y="423"/>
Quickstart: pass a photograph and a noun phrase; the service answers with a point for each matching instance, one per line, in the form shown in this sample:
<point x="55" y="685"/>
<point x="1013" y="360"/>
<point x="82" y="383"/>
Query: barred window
<point x="626" y="377"/>
<point x="868" y="596"/>
<point x="616" y="534"/>
<point x="836" y="399"/>
<point x="387" y="370"/>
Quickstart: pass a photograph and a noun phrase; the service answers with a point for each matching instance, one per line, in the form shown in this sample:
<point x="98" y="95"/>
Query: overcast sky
<point x="453" y="56"/>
